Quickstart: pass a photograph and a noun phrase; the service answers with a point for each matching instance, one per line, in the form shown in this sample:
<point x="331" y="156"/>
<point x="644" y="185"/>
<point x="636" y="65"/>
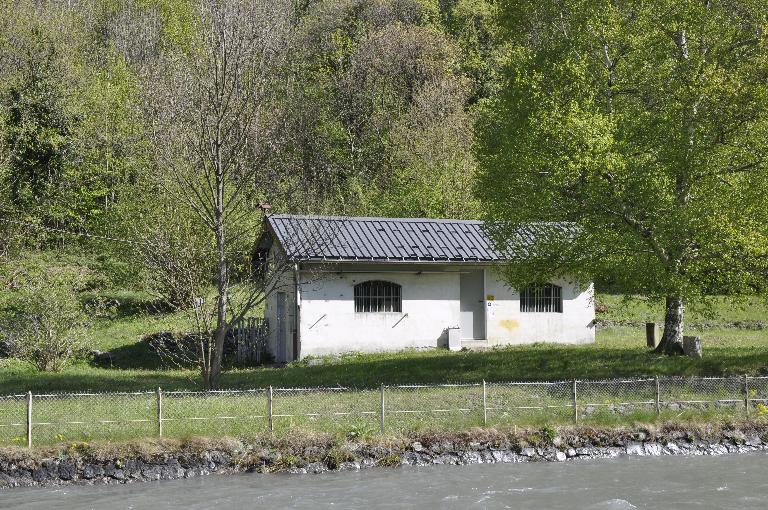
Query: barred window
<point x="541" y="298"/>
<point x="378" y="296"/>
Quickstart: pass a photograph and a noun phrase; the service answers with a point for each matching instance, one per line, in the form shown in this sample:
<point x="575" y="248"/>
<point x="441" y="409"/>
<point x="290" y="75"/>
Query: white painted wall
<point x="330" y="325"/>
<point x="507" y="325"/>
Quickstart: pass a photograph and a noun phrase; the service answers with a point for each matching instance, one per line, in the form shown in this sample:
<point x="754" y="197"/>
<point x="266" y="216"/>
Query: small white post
<point x="29" y="419"/>
<point x="159" y="412"/>
<point x="381" y="415"/>
<point x="485" y="404"/>
<point x="269" y="408"/>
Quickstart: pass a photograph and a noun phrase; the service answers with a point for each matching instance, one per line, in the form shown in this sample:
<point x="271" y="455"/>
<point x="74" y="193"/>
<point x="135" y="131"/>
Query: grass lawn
<point x="618" y="352"/>
<point x="718" y="311"/>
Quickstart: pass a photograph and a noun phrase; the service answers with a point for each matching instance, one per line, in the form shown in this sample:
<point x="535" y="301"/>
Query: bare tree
<point x="212" y="104"/>
<point x="269" y="270"/>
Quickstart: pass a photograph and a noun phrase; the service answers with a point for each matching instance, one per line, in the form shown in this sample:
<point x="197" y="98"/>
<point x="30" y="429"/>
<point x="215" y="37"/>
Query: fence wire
<point x="70" y="417"/>
<point x="325" y="409"/>
<point x="13" y="419"/>
<point x="213" y="413"/>
<point x="63" y="417"/>
<point x="510" y="403"/>
<point x="416" y="407"/>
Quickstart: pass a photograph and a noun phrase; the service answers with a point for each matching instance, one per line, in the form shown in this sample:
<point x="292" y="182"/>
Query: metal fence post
<point x="381" y="415"/>
<point x="575" y="404"/>
<point x="29" y="419"/>
<point x="746" y="395"/>
<point x="269" y="409"/>
<point x="485" y="404"/>
<point x="159" y="412"/>
<point x="658" y="396"/>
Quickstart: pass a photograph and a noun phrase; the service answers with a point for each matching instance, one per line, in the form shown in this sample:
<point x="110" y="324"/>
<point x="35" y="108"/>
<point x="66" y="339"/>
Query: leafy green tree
<point x="473" y="26"/>
<point x="378" y="118"/>
<point x="645" y="124"/>
<point x="37" y="131"/>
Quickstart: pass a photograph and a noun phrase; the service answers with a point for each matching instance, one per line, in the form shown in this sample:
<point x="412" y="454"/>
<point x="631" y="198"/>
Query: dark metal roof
<point x="342" y="238"/>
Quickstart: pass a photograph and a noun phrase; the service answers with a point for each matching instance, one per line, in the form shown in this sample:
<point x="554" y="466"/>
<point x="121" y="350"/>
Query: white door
<point x="282" y="344"/>
<point x="472" y="305"/>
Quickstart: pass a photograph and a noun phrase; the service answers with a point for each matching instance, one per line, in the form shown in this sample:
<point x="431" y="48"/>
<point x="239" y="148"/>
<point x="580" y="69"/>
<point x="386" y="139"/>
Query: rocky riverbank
<point x="170" y="459"/>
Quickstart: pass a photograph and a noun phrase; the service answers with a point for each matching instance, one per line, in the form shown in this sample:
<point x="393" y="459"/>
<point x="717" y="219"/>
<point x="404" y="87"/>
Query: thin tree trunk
<point x="672" y="339"/>
<point x="222" y="277"/>
<point x="220" y="333"/>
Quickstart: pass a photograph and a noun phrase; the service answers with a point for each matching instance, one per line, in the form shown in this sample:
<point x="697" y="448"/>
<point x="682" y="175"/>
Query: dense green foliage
<point x="373" y="110"/>
<point x="646" y="126"/>
<point x="594" y="113"/>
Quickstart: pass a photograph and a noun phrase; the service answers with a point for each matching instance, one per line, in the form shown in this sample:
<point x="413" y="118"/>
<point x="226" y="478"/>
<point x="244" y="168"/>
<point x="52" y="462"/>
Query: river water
<point x="725" y="482"/>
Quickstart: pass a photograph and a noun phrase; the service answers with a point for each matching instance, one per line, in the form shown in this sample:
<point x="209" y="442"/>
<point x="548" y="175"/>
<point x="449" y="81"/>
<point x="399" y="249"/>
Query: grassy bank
<point x="405" y="409"/>
<point x="618" y="352"/>
<point x="305" y="452"/>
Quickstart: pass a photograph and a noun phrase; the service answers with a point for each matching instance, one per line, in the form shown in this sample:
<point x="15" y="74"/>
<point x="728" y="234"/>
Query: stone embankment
<point x="168" y="460"/>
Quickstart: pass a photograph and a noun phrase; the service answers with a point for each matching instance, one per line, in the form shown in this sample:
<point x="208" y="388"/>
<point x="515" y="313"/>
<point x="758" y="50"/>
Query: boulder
<point x="102" y="358"/>
<point x="692" y="346"/>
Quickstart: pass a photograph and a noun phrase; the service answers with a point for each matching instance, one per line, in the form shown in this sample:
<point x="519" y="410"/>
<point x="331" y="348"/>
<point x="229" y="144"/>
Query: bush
<point x="42" y="318"/>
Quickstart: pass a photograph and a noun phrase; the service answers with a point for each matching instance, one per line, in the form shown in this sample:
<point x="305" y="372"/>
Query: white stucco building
<point x="344" y="284"/>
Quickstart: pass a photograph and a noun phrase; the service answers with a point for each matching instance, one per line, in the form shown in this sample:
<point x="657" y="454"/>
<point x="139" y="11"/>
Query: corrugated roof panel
<point x="418" y="231"/>
<point x="395" y="239"/>
<point x="385" y="239"/>
<point x="378" y="248"/>
<point x="362" y="242"/>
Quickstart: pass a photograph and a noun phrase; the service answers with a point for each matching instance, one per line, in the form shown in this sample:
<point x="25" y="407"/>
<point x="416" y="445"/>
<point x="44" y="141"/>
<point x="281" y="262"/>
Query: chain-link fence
<point x="68" y="417"/>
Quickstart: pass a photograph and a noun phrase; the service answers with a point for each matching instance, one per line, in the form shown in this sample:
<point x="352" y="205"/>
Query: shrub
<point x="42" y="318"/>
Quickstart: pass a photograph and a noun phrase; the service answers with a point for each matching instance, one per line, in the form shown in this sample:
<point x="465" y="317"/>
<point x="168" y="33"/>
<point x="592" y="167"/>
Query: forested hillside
<point x="138" y="137"/>
<point x="370" y="110"/>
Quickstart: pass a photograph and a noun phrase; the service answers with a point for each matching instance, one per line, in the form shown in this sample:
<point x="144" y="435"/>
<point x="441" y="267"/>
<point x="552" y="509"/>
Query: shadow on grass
<point x="125" y="304"/>
<point x="135" y="356"/>
<point x="138" y="368"/>
<point x="140" y="356"/>
<point x="534" y="363"/>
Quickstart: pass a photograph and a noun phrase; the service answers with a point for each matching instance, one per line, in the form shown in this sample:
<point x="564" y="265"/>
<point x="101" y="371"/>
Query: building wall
<point x="329" y="323"/>
<point x="507" y="325"/>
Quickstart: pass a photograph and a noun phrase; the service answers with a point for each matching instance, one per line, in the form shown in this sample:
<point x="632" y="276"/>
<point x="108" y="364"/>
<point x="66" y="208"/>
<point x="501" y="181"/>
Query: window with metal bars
<point x="378" y="296"/>
<point x="541" y="298"/>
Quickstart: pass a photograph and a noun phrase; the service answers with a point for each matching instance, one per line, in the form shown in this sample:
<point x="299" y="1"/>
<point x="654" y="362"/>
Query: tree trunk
<point x="672" y="339"/>
<point x="222" y="276"/>
<point x="222" y="327"/>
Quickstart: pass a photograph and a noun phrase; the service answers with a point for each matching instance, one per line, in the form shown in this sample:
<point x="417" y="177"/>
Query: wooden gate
<point x="251" y="336"/>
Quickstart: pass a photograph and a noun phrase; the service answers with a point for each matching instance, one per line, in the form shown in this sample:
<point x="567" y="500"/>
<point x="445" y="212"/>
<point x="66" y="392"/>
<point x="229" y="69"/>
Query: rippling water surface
<point x="727" y="482"/>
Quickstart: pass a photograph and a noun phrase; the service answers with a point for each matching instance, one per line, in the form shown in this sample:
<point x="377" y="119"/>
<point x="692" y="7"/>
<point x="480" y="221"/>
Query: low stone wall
<point x="168" y="460"/>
